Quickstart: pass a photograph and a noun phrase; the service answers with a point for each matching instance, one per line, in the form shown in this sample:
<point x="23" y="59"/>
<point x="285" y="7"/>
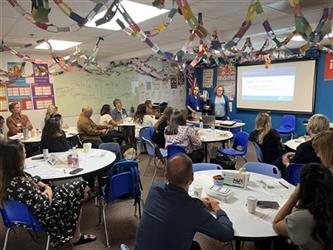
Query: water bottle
<point x="75" y="159"/>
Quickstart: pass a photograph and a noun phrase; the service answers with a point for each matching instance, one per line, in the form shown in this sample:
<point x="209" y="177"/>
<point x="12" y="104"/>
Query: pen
<point x="284" y="185"/>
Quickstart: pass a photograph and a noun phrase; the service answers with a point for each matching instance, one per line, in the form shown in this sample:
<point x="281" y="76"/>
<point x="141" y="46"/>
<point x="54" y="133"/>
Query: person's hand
<point x="286" y="158"/>
<point x="29" y="125"/>
<point x="206" y="202"/>
<point x="48" y="192"/>
<point x="215" y="205"/>
<point x="206" y="107"/>
<point x="105" y="131"/>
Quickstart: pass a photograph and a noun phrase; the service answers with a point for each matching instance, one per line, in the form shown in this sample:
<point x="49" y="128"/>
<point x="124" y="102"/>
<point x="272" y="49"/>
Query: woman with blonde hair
<point x="50" y="111"/>
<point x="323" y="146"/>
<point x="219" y="104"/>
<point x="267" y="138"/>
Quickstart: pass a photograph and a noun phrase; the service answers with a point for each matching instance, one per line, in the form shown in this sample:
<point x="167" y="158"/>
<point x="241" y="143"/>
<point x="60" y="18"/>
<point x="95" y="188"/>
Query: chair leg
<point x="154" y="175"/>
<point x="144" y="173"/>
<point x="105" y="227"/>
<point x="6" y="239"/>
<point x="48" y="242"/>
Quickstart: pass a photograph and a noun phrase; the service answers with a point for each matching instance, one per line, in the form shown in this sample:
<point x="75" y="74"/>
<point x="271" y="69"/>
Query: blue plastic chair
<point x="294" y="170"/>
<point x="146" y="132"/>
<point x="239" y="147"/>
<point x="124" y="179"/>
<point x="124" y="247"/>
<point x="113" y="147"/>
<point x="155" y="154"/>
<point x="287" y="125"/>
<point x="15" y="213"/>
<point x="236" y="130"/>
<point x="205" y="166"/>
<point x="262" y="168"/>
<point x="260" y="156"/>
<point x="173" y="149"/>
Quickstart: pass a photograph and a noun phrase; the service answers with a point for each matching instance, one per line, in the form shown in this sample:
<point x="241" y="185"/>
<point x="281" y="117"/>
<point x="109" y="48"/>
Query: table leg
<point x="238" y="244"/>
<point x="205" y="151"/>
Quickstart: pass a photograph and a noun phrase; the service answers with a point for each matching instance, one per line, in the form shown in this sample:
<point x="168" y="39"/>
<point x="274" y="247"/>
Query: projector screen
<point x="285" y="87"/>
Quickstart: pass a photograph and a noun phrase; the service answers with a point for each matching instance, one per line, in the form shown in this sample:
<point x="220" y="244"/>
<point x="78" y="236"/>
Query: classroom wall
<point x="77" y="89"/>
<point x="323" y="101"/>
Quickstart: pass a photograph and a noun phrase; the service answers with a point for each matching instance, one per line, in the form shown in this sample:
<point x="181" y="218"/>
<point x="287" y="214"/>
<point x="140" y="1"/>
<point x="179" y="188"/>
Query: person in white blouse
<point x="106" y="118"/>
<point x="142" y="119"/>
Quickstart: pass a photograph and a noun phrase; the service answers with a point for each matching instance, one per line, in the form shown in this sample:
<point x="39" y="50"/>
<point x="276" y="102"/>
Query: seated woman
<point x="57" y="209"/>
<point x="304" y="152"/>
<point x="158" y="135"/>
<point x="267" y="138"/>
<point x="150" y="109"/>
<point x="142" y="119"/>
<point x="179" y="133"/>
<point x="53" y="137"/>
<point x="307" y="217"/>
<point x="106" y="118"/>
<point x="51" y="110"/>
<point x="323" y="146"/>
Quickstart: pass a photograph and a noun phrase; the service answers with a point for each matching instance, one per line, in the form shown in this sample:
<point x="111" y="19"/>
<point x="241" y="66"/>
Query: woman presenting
<point x="194" y="102"/>
<point x="219" y="104"/>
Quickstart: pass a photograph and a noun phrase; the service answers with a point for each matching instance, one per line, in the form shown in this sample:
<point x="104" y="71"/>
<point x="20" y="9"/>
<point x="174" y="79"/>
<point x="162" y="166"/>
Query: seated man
<point x="171" y="217"/>
<point x="118" y="113"/>
<point x="96" y="134"/>
<point x="17" y="121"/>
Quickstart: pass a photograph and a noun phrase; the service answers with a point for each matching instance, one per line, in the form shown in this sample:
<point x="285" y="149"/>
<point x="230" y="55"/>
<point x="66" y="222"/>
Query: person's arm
<point x="194" y="137"/>
<point x="227" y="110"/>
<point x="13" y="129"/>
<point x="190" y="109"/>
<point x="279" y="224"/>
<point x="219" y="228"/>
<point x="88" y="129"/>
<point x="28" y="123"/>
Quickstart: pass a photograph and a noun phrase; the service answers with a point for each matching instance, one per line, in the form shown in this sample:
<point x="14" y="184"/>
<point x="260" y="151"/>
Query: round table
<point x="70" y="132"/>
<point x="91" y="161"/>
<point x="249" y="226"/>
<point x="220" y="124"/>
<point x="294" y="143"/>
<point x="208" y="135"/>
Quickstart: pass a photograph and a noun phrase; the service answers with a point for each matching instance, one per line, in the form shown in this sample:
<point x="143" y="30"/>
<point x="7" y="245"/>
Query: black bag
<point x="224" y="161"/>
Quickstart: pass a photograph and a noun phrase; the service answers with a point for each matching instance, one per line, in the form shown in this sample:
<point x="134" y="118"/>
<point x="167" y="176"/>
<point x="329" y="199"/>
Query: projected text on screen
<point x="269" y="85"/>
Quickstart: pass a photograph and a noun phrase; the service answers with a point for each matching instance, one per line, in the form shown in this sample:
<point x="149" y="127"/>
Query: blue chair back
<point x="236" y="130"/>
<point x="175" y="149"/>
<point x="17" y="213"/>
<point x="151" y="148"/>
<point x="288" y="122"/>
<point x="113" y="147"/>
<point x="260" y="156"/>
<point x="241" y="142"/>
<point x="124" y="178"/>
<point x="294" y="170"/>
<point x="262" y="168"/>
<point x="123" y="247"/>
<point x="205" y="166"/>
<point x="146" y="132"/>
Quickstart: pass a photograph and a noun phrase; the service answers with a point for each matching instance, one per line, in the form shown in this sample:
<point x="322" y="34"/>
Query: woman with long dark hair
<point x="53" y="137"/>
<point x="307" y="217"/>
<point x="179" y="133"/>
<point x="142" y="119"/>
<point x="163" y="121"/>
<point x="57" y="209"/>
<point x="106" y="118"/>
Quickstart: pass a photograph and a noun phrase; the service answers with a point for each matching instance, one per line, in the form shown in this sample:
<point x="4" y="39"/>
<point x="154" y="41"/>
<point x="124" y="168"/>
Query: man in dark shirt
<point x="171" y="217"/>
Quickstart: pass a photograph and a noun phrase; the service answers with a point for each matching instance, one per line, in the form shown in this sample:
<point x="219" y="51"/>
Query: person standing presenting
<point x="219" y="104"/>
<point x="194" y="102"/>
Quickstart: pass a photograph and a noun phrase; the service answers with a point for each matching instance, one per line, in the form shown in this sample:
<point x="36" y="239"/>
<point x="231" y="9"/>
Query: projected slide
<point x="269" y="85"/>
<point x="283" y="87"/>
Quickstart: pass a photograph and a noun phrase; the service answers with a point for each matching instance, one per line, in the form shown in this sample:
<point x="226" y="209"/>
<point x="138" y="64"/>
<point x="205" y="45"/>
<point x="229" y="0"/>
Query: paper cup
<point x="251" y="204"/>
<point x="197" y="191"/>
<point x="87" y="146"/>
<point x="45" y="153"/>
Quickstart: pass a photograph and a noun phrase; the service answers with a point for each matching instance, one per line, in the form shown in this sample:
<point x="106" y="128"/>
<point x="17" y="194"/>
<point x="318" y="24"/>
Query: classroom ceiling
<point x="225" y="16"/>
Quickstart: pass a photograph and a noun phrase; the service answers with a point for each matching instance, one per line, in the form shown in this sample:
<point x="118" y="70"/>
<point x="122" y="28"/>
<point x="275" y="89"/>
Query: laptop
<point x="208" y="120"/>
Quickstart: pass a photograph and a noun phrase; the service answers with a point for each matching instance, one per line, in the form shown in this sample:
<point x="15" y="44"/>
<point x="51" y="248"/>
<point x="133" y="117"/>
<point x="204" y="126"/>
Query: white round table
<point x="91" y="161"/>
<point x="249" y="226"/>
<point x="208" y="135"/>
<point x="70" y="132"/>
<point x="221" y="124"/>
<point x="294" y="143"/>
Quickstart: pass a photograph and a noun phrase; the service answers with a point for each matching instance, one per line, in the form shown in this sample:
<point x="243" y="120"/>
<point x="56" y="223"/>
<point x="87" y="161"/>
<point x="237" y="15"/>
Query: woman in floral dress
<point x="57" y="209"/>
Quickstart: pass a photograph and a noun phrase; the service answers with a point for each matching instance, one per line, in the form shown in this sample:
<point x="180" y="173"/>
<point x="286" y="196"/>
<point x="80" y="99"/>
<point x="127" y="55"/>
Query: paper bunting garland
<point x="163" y="26"/>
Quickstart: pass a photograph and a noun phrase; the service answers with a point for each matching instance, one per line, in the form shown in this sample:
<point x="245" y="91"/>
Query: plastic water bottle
<point x="75" y="159"/>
